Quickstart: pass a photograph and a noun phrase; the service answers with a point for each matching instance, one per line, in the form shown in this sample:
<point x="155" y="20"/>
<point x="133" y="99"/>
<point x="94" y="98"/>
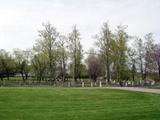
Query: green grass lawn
<point x="77" y="104"/>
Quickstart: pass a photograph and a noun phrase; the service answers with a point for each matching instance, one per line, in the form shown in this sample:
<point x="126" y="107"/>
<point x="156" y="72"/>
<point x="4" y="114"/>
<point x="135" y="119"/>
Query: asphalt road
<point x="148" y="90"/>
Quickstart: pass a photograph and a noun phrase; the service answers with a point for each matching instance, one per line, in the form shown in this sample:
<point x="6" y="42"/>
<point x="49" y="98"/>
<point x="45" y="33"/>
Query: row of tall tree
<point x="56" y="57"/>
<point x="126" y="57"/>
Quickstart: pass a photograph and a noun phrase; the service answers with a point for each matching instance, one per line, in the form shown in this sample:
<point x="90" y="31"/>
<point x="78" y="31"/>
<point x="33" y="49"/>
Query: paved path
<point x="137" y="89"/>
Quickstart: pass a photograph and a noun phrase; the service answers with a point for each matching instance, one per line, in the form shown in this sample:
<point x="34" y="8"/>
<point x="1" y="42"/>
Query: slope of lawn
<point x="77" y="104"/>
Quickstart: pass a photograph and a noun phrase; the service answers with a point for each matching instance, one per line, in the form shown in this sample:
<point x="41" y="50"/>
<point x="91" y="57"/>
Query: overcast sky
<point x="21" y="19"/>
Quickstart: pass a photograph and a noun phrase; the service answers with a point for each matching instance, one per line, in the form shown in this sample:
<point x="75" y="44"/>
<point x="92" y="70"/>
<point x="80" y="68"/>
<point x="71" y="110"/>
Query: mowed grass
<point x="77" y="104"/>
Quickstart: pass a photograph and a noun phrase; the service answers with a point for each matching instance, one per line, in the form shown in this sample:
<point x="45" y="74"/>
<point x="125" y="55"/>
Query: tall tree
<point x="22" y="62"/>
<point x="148" y="46"/>
<point x="140" y="50"/>
<point x="121" y="38"/>
<point x="75" y="52"/>
<point x="105" y="39"/>
<point x="62" y="56"/>
<point x="93" y="65"/>
<point x="46" y="44"/>
<point x="156" y="53"/>
<point x="39" y="64"/>
<point x="7" y="65"/>
<point x="79" y="60"/>
<point x="153" y="60"/>
<point x="132" y="61"/>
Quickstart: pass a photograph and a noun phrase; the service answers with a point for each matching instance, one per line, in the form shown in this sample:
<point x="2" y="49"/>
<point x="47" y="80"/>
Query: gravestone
<point x="91" y="84"/>
<point x="100" y="84"/>
<point x="82" y="84"/>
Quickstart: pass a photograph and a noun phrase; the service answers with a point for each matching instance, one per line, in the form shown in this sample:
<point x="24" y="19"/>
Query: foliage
<point x="47" y="45"/>
<point x="104" y="43"/>
<point x="55" y="57"/>
<point x="39" y="64"/>
<point x="22" y="59"/>
<point x="7" y="65"/>
<point x="76" y="56"/>
<point x="93" y="64"/>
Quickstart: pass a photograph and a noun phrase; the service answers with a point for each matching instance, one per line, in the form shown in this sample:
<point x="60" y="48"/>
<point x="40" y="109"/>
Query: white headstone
<point x="91" y="84"/>
<point x="95" y="84"/>
<point x="82" y="84"/>
<point x="153" y="83"/>
<point x="100" y="84"/>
